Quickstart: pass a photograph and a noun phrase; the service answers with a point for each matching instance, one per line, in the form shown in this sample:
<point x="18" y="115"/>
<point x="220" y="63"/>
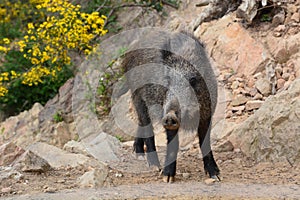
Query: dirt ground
<point x="235" y="168"/>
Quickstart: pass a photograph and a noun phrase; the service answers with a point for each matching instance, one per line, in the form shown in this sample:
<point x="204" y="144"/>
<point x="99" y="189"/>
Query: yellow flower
<point x="30" y="26"/>
<point x="6" y="40"/>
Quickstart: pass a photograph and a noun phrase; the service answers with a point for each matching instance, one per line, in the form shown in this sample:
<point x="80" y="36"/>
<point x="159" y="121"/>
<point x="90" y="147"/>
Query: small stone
<point x="250" y="82"/>
<point x="280" y="28"/>
<point x="263" y="86"/>
<point x="253" y="92"/>
<point x="293" y="31"/>
<point x="186" y="175"/>
<point x="9" y="152"/>
<point x="258" y="75"/>
<point x="210" y="181"/>
<point x="278" y="69"/>
<point x="237" y="150"/>
<point x="241" y="85"/>
<point x="296" y="17"/>
<point x="278" y="19"/>
<point x="286" y="70"/>
<point x="292" y="77"/>
<point x="61" y="181"/>
<point x="6" y="190"/>
<point x="50" y="190"/>
<point x="277" y="34"/>
<point x="290" y="64"/>
<point x="238" y="108"/>
<point x="286" y="76"/>
<point x="224" y="146"/>
<point x="253" y="104"/>
<point x="239" y="100"/>
<point x="229" y="114"/>
<point x="258" y="96"/>
<point x="235" y="85"/>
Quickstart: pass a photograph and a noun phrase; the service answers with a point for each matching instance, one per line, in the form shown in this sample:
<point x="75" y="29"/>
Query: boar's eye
<point x="193" y="81"/>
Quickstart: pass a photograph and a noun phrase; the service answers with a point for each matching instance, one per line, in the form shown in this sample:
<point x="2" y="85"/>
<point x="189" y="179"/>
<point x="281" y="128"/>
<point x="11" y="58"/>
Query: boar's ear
<point x="193" y="81"/>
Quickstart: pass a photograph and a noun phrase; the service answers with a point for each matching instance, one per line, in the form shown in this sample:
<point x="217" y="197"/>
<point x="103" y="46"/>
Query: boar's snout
<point x="170" y="121"/>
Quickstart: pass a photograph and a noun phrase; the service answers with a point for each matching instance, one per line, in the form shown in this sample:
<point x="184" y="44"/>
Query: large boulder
<point x="273" y="132"/>
<point x="56" y="157"/>
<point x="231" y="46"/>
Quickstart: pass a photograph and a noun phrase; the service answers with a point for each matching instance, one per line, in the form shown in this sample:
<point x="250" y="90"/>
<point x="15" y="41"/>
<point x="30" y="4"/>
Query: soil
<point x="235" y="169"/>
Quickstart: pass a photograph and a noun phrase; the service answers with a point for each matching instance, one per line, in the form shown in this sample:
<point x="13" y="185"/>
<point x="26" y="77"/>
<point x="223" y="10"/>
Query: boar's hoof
<point x="216" y="178"/>
<point x="169" y="179"/>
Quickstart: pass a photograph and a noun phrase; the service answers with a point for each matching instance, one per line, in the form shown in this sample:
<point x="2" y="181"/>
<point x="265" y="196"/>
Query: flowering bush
<point x="49" y="30"/>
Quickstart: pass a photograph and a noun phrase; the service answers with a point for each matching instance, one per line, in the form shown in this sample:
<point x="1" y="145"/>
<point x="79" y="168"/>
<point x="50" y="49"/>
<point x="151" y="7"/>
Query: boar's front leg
<point x="171" y="158"/>
<point x="145" y="134"/>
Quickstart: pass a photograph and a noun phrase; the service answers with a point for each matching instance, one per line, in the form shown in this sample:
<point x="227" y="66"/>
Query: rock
<point x="296" y="17"/>
<point x="6" y="190"/>
<point x="75" y="147"/>
<point x="280" y="83"/>
<point x="104" y="147"/>
<point x="30" y="162"/>
<point x="278" y="19"/>
<point x="280" y="28"/>
<point x="281" y="55"/>
<point x="239" y="100"/>
<point x="283" y="49"/>
<point x="263" y="86"/>
<point x="247" y="10"/>
<point x="222" y="130"/>
<point x="266" y="135"/>
<point x="258" y="97"/>
<point x="9" y="152"/>
<point x="223" y="43"/>
<point x="258" y="75"/>
<point x="235" y="85"/>
<point x="253" y="104"/>
<point x="9" y="173"/>
<point x="253" y="92"/>
<point x="278" y="70"/>
<point x="209" y="181"/>
<point x="56" y="157"/>
<point x="223" y="146"/>
<point x="186" y="175"/>
<point x="238" y="108"/>
<point x="61" y="134"/>
<point x="93" y="179"/>
<point x="229" y="114"/>
<point x="286" y="76"/>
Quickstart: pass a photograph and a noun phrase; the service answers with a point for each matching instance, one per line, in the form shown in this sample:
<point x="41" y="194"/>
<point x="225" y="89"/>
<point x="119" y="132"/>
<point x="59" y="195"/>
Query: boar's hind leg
<point x="145" y="134"/>
<point x="210" y="165"/>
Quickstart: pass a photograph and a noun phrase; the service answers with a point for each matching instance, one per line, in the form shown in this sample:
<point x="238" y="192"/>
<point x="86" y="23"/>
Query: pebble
<point x="280" y="28"/>
<point x="50" y="190"/>
<point x="280" y="83"/>
<point x="286" y="76"/>
<point x="186" y="175"/>
<point x="209" y="181"/>
<point x="235" y="85"/>
<point x="258" y="96"/>
<point x="296" y="17"/>
<point x="6" y="190"/>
